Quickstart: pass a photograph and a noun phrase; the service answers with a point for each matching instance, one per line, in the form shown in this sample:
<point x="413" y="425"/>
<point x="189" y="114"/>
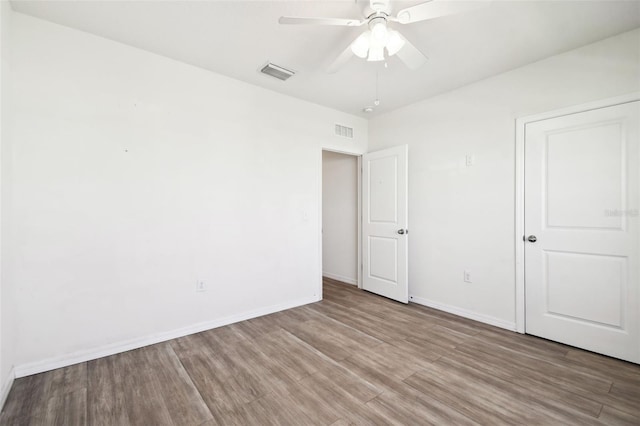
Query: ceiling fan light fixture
<point x="395" y="43"/>
<point x="376" y="54"/>
<point x="378" y="16"/>
<point x="360" y="47"/>
<point x="379" y="32"/>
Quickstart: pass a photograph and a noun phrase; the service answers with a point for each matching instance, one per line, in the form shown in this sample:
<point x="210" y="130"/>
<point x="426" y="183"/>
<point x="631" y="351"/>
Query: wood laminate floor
<point x="353" y="358"/>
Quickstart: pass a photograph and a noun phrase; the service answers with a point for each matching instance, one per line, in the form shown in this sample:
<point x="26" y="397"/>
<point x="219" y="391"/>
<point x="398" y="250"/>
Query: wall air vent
<point x="344" y="131"/>
<point x="277" y="71"/>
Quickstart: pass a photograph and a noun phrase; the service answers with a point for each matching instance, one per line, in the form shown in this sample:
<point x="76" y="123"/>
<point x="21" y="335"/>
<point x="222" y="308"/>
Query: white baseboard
<point x="464" y="313"/>
<point x="114" y="348"/>
<point x="6" y="387"/>
<point x="337" y="277"/>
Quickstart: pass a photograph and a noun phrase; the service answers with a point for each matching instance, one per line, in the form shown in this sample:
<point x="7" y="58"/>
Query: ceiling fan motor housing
<point x="379" y="5"/>
<point x="381" y="19"/>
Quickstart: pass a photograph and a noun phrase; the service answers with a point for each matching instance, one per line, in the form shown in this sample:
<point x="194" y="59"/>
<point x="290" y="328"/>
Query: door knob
<point x="532" y="238"/>
<point x="401" y="231"/>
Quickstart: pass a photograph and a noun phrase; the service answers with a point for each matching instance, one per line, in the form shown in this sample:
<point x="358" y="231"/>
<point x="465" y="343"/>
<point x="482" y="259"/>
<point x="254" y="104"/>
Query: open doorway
<point x="340" y="217"/>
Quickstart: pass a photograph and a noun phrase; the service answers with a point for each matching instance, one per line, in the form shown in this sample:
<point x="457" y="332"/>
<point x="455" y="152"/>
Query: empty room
<point x="313" y="212"/>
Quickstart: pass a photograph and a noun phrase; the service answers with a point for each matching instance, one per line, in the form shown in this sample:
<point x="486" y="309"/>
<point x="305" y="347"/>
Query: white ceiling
<point x="236" y="38"/>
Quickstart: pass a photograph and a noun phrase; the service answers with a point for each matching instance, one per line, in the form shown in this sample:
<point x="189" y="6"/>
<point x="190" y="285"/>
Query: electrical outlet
<point x="201" y="286"/>
<point x="467" y="277"/>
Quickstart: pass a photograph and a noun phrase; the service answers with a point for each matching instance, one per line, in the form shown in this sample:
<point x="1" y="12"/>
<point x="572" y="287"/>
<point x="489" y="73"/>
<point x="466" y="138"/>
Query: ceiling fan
<point x="373" y="42"/>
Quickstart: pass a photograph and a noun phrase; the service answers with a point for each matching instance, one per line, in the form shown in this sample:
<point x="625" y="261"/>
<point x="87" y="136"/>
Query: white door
<point x="582" y="234"/>
<point x="384" y="223"/>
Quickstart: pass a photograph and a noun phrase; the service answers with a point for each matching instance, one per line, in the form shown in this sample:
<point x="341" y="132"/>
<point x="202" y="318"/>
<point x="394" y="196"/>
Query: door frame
<point x="520" y="187"/>
<point x="359" y="213"/>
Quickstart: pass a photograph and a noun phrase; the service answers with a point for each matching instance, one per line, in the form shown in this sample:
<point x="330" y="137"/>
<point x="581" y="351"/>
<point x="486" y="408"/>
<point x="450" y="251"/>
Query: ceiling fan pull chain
<point x="377" y="101"/>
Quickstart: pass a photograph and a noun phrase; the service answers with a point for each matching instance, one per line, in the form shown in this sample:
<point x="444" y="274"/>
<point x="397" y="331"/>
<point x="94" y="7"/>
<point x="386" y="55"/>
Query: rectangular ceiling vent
<point x="277" y="71"/>
<point x="344" y="131"/>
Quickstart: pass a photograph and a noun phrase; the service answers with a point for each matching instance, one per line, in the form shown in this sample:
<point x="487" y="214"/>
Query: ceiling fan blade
<point x="437" y="8"/>
<point x="411" y="56"/>
<point x="341" y="60"/>
<point x="292" y="20"/>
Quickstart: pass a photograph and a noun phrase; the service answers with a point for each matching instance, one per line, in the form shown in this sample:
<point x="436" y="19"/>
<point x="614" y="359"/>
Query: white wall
<point x="130" y="176"/>
<point x="134" y="176"/>
<point x="463" y="217"/>
<point x="7" y="330"/>
<point x="340" y="216"/>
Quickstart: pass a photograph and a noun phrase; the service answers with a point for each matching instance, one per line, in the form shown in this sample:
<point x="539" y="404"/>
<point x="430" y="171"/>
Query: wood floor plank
<point x="292" y="354"/>
<point x="26" y="397"/>
<point x="65" y="380"/>
<point x="368" y="324"/>
<point x="331" y="394"/>
<point x="440" y="336"/>
<point x="389" y="383"/>
<point x="588" y="382"/>
<point x="444" y="318"/>
<point x="276" y="410"/>
<point x="617" y="369"/>
<point x="183" y="401"/>
<point x="142" y="403"/>
<point x="546" y="370"/>
<point x="31" y="397"/>
<point x="553" y="404"/>
<point x="249" y="370"/>
<point x="535" y="347"/>
<point x="222" y="338"/>
<point x="219" y="361"/>
<point x="623" y="390"/>
<point x="487" y="403"/>
<point x="612" y="417"/>
<point x="352" y="359"/>
<point x="390" y="358"/>
<point x="61" y="410"/>
<point x="420" y="348"/>
<point x="143" y="386"/>
<point x="459" y="398"/>
<point x="399" y="410"/>
<point x="260" y="373"/>
<point x="333" y="338"/>
<point x="534" y="383"/>
<point x="222" y="397"/>
<point x="106" y="396"/>
<point x="261" y="326"/>
<point x="68" y="409"/>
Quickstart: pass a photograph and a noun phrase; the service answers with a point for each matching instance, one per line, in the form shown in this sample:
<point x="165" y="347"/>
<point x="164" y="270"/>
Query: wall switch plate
<point x="469" y="160"/>
<point x="467" y="277"/>
<point x="201" y="286"/>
